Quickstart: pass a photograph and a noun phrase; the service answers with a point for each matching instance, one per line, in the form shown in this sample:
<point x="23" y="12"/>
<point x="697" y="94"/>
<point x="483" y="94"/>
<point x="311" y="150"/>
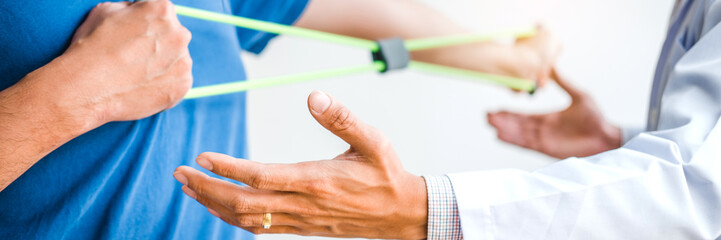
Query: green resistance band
<point x="234" y="87"/>
<point x="373" y="46"/>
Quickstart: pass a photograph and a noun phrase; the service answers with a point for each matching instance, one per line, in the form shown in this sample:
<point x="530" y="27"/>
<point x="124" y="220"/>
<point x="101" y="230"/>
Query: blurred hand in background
<point x="578" y="131"/>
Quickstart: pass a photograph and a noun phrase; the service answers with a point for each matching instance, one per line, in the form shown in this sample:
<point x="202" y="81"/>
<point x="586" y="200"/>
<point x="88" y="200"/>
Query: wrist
<point x="49" y="91"/>
<point x="417" y="207"/>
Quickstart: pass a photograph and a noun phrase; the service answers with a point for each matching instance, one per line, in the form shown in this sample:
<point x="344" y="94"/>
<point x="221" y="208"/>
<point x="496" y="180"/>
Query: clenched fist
<point x="126" y="62"/>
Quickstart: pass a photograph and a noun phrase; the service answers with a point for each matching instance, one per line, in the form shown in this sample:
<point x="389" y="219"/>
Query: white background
<point x="438" y="124"/>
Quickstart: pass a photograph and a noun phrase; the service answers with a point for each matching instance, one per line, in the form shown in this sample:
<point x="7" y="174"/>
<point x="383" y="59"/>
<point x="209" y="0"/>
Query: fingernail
<point x="203" y="162"/>
<point x="181" y="178"/>
<point x="319" y="101"/>
<point x="213" y="212"/>
<point x="189" y="192"/>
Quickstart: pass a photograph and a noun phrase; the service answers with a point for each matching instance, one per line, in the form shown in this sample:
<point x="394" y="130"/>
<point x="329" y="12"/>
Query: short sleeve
<point x="279" y="11"/>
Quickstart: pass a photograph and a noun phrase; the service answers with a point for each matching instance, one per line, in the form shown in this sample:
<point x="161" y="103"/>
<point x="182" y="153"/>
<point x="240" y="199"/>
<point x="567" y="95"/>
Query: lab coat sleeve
<point x="660" y="185"/>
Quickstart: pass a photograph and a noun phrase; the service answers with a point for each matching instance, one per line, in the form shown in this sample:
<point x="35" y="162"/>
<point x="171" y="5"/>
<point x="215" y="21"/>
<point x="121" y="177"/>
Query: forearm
<point x="35" y="119"/>
<point x="409" y="19"/>
<point x="375" y="19"/>
<point x="113" y="70"/>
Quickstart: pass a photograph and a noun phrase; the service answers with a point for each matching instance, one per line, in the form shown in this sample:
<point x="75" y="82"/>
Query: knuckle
<point x="102" y="9"/>
<point x="150" y="5"/>
<point x="239" y="204"/>
<point x="186" y="36"/>
<point x="223" y="170"/>
<point x="314" y="221"/>
<point x="162" y="7"/>
<point x="259" y="180"/>
<point x="245" y="220"/>
<point x="341" y="120"/>
<point x="158" y="7"/>
<point x="168" y="7"/>
<point x="198" y="189"/>
<point x="307" y="211"/>
<point x="170" y="99"/>
<point x="177" y="37"/>
<point x="185" y="64"/>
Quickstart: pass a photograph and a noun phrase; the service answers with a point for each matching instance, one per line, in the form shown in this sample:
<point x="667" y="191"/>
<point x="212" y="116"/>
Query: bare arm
<point x="32" y="124"/>
<point x="102" y="77"/>
<point x="529" y="58"/>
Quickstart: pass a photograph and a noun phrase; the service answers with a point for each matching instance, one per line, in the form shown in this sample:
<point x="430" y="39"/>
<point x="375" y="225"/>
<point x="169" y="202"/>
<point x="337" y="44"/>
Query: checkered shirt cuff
<point x="443" y="220"/>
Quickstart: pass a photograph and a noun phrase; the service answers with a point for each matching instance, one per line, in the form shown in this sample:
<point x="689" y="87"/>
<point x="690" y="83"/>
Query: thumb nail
<point x="319" y="102"/>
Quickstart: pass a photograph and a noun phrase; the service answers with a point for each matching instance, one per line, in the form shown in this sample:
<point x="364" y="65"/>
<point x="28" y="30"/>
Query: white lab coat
<point x="664" y="183"/>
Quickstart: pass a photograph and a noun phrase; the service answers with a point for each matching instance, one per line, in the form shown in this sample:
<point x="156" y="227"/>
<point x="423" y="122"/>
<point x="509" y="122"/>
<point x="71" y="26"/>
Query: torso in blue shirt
<point x="116" y="181"/>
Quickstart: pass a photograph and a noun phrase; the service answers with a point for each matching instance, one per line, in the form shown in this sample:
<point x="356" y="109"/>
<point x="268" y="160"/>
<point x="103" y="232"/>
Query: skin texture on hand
<point x="125" y="62"/>
<point x="577" y="131"/>
<point x="130" y="61"/>
<point x="364" y="192"/>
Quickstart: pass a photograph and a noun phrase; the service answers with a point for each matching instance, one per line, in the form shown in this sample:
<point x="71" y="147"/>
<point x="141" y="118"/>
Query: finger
<point x="96" y="16"/>
<point x="322" y="231"/>
<point x="510" y="128"/>
<point x="277" y="230"/>
<point x="278" y="177"/>
<point x="277" y="219"/>
<point x="562" y="82"/>
<point x="197" y="185"/>
<point x="163" y="8"/>
<point x="237" y="198"/>
<point x="108" y="7"/>
<point x="530" y="126"/>
<point x="338" y="119"/>
<point x="252" y="220"/>
<point x="244" y="219"/>
<point x="214" y="208"/>
<point x="140" y="2"/>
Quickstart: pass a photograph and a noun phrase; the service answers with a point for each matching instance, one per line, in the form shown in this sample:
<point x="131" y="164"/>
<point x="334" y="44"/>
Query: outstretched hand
<point x="364" y="192"/>
<point x="577" y="131"/>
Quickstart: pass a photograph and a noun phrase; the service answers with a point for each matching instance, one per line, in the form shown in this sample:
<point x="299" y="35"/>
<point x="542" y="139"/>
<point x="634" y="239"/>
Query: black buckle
<point x="392" y="52"/>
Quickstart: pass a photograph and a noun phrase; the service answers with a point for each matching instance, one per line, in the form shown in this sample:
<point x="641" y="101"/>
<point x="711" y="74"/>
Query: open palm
<point x="577" y="131"/>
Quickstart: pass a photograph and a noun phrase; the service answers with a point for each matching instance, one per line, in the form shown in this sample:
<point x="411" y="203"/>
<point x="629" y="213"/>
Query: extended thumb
<point x="339" y="120"/>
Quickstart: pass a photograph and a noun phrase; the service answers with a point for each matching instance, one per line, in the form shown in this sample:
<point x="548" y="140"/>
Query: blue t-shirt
<point x="116" y="181"/>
